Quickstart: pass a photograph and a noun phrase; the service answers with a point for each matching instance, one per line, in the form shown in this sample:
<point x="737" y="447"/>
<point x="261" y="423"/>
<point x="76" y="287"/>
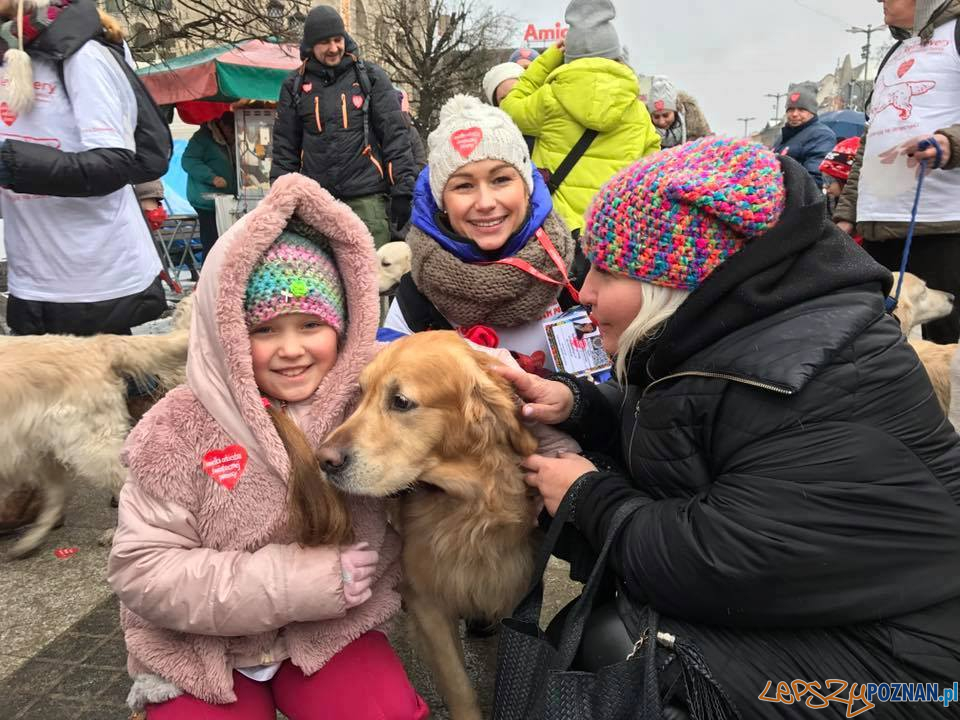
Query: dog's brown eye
<point x="401" y="403"/>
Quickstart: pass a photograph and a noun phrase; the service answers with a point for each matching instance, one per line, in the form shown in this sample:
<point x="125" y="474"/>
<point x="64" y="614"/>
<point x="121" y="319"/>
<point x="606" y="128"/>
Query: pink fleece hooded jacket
<point x="206" y="573"/>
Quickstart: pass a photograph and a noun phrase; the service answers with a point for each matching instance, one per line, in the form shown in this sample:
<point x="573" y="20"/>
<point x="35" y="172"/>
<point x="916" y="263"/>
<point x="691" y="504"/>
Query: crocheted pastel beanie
<point x="673" y="217"/>
<point x="296" y="274"/>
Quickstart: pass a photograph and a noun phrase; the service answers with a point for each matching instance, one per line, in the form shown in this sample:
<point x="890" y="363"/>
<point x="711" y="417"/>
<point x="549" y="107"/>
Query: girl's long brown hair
<point x="318" y="512"/>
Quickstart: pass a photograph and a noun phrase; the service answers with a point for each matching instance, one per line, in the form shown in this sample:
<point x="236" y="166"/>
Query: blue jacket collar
<point x="425" y="212"/>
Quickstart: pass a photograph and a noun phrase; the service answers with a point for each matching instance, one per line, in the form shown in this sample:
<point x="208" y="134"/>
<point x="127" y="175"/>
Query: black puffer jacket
<point x="320" y="133"/>
<point x="39" y="169"/>
<point x="802" y="483"/>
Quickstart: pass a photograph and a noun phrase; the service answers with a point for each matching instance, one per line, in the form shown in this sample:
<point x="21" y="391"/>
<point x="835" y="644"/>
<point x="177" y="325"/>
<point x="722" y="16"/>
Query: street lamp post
<point x="868" y="31"/>
<point x="275" y="13"/>
<point x="745" y="121"/>
<point x="776" y="106"/>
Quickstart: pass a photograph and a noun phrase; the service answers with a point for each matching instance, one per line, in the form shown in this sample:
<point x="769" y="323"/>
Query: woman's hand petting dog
<point x="357" y="566"/>
<point x="553" y="477"/>
<point x="546" y="401"/>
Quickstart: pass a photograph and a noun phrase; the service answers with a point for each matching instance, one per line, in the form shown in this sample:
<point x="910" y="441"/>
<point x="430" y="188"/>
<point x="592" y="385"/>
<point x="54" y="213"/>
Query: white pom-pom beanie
<point x="471" y="131"/>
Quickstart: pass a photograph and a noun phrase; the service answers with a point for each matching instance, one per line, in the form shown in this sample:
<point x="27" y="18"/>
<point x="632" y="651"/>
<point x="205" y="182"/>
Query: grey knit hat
<point x="591" y="32"/>
<point x="662" y="95"/>
<point x="803" y="97"/>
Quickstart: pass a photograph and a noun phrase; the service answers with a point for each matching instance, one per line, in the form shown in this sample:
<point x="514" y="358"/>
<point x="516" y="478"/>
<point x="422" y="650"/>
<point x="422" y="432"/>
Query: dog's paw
<point x="106" y="539"/>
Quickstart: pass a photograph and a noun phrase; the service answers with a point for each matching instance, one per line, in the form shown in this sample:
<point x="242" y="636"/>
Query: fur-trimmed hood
<point x="203" y="560"/>
<point x="219" y="369"/>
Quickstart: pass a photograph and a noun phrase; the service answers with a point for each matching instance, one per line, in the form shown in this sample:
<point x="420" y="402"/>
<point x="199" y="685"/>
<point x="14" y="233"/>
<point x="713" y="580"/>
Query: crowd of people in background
<point x="793" y="485"/>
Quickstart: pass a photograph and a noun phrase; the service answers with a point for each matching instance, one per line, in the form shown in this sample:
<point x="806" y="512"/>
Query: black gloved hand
<point x="400" y="212"/>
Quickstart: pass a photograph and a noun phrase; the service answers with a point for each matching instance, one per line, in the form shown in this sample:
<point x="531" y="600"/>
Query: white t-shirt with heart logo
<point x="916" y="93"/>
<point x="76" y="249"/>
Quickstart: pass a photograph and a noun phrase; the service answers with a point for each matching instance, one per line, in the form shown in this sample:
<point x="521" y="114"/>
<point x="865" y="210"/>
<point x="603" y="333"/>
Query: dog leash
<point x="931" y="142"/>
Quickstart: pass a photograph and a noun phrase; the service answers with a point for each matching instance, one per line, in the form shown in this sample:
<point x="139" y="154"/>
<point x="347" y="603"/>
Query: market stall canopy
<point x="253" y="70"/>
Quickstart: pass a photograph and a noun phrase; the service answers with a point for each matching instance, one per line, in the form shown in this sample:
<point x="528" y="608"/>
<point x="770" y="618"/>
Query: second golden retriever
<point x="919" y="304"/>
<point x="438" y="429"/>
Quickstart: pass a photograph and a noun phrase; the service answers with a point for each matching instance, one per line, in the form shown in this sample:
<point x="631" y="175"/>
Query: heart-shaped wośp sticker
<point x="226" y="465"/>
<point x="465" y="141"/>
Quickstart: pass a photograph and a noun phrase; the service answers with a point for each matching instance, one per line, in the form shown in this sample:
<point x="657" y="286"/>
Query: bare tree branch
<point x="438" y="48"/>
<point x="161" y="29"/>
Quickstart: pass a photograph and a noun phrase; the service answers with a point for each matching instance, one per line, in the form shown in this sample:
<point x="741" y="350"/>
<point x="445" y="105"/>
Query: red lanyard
<point x="526" y="267"/>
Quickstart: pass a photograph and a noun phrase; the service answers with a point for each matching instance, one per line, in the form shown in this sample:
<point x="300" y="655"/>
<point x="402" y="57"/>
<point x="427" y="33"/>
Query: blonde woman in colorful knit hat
<point x="796" y="480"/>
<point x="247" y="583"/>
<point x="490" y="255"/>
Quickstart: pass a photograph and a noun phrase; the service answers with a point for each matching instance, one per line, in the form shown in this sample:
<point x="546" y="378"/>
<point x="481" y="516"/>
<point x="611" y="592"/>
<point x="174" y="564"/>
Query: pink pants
<point x="364" y="681"/>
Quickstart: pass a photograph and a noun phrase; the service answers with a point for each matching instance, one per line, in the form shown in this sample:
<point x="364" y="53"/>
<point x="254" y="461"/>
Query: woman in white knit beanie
<point x="490" y="255"/>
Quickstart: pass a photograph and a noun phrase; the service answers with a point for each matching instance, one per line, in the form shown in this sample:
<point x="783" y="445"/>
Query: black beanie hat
<point x="322" y="22"/>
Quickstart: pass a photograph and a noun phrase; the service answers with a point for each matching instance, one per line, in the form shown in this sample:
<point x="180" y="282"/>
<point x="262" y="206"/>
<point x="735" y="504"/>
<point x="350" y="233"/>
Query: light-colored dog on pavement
<point x="920" y="304"/>
<point x="65" y="410"/>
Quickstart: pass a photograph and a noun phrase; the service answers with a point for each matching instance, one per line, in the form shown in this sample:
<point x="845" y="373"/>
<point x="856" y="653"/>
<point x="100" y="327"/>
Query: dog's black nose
<point x="333" y="460"/>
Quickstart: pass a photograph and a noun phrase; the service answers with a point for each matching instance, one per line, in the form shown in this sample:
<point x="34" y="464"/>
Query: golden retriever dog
<point x="955" y="391"/>
<point x="919" y="304"/>
<point x="439" y="430"/>
<point x="66" y="414"/>
<point x="395" y="262"/>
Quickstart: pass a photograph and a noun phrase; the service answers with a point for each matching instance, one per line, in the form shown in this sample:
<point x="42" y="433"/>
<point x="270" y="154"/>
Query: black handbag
<point x="533" y="678"/>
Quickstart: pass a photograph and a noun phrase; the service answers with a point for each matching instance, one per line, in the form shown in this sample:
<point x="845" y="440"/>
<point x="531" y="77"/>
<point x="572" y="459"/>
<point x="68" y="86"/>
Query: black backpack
<point x="154" y="143"/>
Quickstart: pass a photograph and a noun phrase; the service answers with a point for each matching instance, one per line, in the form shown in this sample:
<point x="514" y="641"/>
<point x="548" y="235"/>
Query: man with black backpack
<point x="77" y="131"/>
<point x="339" y="122"/>
<point x="916" y="98"/>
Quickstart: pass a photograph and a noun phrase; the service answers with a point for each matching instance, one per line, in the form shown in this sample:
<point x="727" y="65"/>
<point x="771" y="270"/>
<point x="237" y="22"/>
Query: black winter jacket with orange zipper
<point x="319" y="131"/>
<point x="801" y="483"/>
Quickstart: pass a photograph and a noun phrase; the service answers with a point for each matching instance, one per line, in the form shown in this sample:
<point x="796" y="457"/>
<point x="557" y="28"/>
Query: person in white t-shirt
<point x="81" y="258"/>
<point x="916" y="97"/>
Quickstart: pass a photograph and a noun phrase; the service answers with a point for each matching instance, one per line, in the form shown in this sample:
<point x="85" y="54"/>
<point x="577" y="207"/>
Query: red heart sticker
<point x="794" y="97"/>
<point x="357" y="101"/>
<point x="307" y="87"/>
<point x="226" y="465"/>
<point x="905" y="67"/>
<point x="66" y="552"/>
<point x="658" y="105"/>
<point x="465" y="141"/>
<point x="8" y="116"/>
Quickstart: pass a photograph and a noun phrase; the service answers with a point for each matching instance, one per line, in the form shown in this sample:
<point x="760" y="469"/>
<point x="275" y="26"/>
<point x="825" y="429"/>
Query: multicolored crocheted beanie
<point x="673" y="217"/>
<point x="296" y="274"/>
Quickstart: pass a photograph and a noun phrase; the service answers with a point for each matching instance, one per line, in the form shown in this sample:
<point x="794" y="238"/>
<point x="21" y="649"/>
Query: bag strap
<point x="576" y="152"/>
<point x="577" y="619"/>
<point x="360" y="68"/>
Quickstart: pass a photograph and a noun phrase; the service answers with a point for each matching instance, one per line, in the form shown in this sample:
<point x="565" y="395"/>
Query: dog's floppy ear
<point x="491" y="411"/>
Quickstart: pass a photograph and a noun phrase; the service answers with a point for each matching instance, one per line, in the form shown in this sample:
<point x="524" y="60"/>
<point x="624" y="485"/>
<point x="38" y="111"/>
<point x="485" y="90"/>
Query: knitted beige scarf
<point x="496" y="295"/>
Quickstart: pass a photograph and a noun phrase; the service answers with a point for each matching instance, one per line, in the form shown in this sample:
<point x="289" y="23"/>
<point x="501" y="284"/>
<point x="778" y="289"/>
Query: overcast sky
<point x="729" y="54"/>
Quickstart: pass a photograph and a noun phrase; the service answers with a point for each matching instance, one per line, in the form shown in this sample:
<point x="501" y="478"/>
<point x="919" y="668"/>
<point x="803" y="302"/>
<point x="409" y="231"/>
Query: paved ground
<point x="61" y="652"/>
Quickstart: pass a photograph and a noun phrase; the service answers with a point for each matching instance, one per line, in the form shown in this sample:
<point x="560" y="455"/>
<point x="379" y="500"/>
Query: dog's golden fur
<point x="919" y="304"/>
<point x="437" y="426"/>
<point x="65" y="410"/>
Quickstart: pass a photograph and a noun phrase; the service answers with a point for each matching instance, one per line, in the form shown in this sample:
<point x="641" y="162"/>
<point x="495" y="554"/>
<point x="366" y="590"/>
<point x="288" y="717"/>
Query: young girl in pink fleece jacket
<point x="247" y="583"/>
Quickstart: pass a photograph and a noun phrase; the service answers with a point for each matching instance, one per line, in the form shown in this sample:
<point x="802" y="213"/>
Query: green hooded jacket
<point x="556" y="102"/>
<point x="208" y="156"/>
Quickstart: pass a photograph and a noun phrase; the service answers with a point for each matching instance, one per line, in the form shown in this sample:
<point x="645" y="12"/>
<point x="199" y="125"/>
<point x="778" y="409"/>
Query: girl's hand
<point x="358" y="563"/>
<point x="219" y="182"/>
<point x="554" y="476"/>
<point x="547" y="401"/>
